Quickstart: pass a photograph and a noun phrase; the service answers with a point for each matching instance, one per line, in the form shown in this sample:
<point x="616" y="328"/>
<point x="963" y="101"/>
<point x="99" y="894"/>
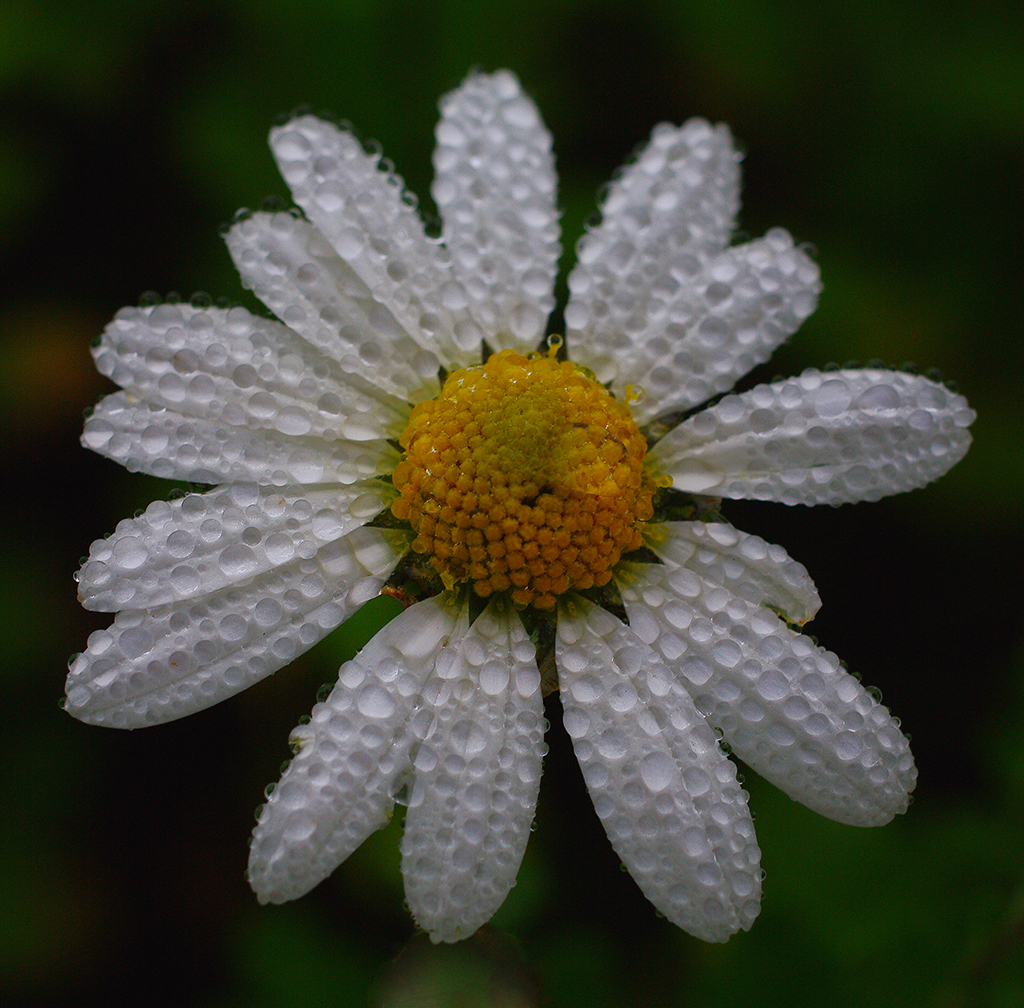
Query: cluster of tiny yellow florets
<point x="524" y="475"/>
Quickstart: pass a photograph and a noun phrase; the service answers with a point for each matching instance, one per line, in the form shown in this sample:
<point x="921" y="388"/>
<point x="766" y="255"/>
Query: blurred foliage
<point x="888" y="136"/>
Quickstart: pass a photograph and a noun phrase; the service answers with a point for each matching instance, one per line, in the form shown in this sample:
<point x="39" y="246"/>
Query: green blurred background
<point x="888" y="136"/>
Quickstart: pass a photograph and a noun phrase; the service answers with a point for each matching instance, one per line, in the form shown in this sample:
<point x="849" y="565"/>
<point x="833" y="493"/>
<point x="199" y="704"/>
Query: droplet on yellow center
<point x="524" y="475"/>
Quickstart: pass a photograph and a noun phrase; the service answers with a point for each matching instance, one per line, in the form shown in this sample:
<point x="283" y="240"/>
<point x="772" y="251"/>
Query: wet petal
<point x="354" y="756"/>
<point x="701" y="334"/>
<point x="495" y="188"/>
<point x="299" y="277"/>
<point x="475" y="779"/>
<point x="199" y="544"/>
<point x="166" y="443"/>
<point x="665" y="792"/>
<point x="159" y="665"/>
<point x="663" y="218"/>
<point x="230" y="367"/>
<point x="746" y="565"/>
<point x="821" y="438"/>
<point x="361" y="208"/>
<point x="784" y="705"/>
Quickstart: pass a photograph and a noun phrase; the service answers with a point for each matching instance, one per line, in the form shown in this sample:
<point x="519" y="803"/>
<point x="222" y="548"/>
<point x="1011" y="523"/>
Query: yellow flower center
<point x="523" y="475"/>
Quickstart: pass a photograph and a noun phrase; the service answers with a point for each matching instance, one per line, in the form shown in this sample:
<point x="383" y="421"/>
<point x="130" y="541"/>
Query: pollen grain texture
<point x="526" y="476"/>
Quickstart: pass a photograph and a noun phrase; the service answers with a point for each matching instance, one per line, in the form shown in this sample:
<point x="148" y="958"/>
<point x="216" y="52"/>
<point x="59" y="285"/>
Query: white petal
<point x="695" y="337"/>
<point x="475" y="778"/>
<point x="663" y="218"/>
<point x="821" y="438"/>
<point x="746" y="565"/>
<point x="201" y="543"/>
<point x="300" y="278"/>
<point x="495" y="188"/>
<point x="355" y="755"/>
<point x="363" y="211"/>
<point x="230" y="367"/>
<point x="156" y="666"/>
<point x="665" y="792"/>
<point x="165" y="443"/>
<point x="784" y="705"/>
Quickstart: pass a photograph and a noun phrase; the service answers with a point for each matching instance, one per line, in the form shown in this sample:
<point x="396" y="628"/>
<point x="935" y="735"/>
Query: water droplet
<point x="587" y="689"/>
<point x="300" y="828"/>
<point x="612" y="744"/>
<point x="238" y="560"/>
<point x="494" y="678"/>
<point x="577" y="723"/>
<point x="467" y="737"/>
<point x="374" y="702"/>
<point x="657" y="771"/>
<point x="361" y="427"/>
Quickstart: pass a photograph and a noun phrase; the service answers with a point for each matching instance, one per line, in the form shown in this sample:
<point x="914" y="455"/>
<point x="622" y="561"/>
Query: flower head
<point x="405" y="421"/>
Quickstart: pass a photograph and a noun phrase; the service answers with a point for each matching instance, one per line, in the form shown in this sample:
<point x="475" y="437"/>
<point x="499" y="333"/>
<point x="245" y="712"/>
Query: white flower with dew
<point x="404" y="421"/>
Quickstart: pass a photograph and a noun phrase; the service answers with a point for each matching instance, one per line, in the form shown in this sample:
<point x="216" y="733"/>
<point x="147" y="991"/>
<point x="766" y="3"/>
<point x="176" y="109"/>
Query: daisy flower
<point x="403" y="426"/>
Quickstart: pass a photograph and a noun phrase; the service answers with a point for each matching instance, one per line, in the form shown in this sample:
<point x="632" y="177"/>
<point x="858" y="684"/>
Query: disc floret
<point x="523" y="476"/>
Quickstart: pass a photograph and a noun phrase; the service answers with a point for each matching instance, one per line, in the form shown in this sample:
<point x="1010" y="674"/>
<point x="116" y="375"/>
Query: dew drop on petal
<point x="848" y="746"/>
<point x="494" y="678"/>
<point x="577" y="723"/>
<point x="657" y="771"/>
<point x="184" y="580"/>
<point x="612" y="744"/>
<point x="374" y="702"/>
<point x="238" y="560"/>
<point x="587" y="689"/>
<point x="300" y="828"/>
<point x="467" y="737"/>
<point x="832" y="398"/>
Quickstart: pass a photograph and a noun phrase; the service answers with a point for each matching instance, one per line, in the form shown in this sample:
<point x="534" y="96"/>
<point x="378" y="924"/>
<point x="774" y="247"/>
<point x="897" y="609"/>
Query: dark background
<point x="888" y="136"/>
